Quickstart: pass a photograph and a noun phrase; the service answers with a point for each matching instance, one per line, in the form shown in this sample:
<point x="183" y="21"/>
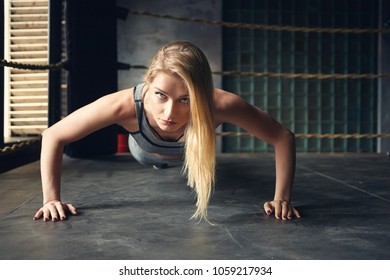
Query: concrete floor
<point x="128" y="211"/>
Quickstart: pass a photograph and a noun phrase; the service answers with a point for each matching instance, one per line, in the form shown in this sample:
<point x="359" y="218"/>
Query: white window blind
<point x="26" y="92"/>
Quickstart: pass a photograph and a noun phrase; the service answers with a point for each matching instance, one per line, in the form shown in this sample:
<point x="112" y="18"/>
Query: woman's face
<point x="167" y="103"/>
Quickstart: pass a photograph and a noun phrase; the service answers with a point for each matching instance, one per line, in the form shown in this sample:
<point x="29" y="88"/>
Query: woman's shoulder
<point x="122" y="99"/>
<point x="225" y="100"/>
<point x="124" y="106"/>
<point x="227" y="104"/>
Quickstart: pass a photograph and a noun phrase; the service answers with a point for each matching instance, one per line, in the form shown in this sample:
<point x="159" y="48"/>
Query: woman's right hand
<point x="55" y="210"/>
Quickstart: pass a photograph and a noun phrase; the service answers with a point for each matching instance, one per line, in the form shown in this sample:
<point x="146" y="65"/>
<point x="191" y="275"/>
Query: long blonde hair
<point x="188" y="62"/>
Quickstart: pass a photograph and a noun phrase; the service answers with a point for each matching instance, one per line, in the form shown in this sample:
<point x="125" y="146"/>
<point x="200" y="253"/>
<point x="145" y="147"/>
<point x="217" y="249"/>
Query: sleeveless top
<point x="147" y="147"/>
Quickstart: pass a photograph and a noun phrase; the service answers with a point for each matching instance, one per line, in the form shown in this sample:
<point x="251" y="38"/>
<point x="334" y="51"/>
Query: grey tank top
<point x="147" y="147"/>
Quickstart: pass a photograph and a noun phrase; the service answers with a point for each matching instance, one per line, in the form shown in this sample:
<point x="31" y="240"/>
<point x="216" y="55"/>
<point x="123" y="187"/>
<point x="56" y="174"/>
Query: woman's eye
<point x="185" y="100"/>
<point x="160" y="95"/>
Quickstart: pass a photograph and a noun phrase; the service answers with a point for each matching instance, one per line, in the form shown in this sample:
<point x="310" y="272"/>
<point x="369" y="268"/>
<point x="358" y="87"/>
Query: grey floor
<point x="128" y="211"/>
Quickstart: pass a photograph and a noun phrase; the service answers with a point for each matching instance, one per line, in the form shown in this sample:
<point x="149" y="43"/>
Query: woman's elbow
<point x="286" y="137"/>
<point x="290" y="135"/>
<point x="50" y="137"/>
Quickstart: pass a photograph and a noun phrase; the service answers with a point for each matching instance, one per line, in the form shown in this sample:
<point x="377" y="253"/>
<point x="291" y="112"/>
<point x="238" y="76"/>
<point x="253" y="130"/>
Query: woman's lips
<point x="167" y="122"/>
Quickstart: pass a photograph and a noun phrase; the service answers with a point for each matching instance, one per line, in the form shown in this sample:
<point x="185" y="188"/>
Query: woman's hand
<point x="55" y="210"/>
<point x="282" y="209"/>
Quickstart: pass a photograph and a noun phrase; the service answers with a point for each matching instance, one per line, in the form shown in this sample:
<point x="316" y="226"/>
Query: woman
<point x="171" y="117"/>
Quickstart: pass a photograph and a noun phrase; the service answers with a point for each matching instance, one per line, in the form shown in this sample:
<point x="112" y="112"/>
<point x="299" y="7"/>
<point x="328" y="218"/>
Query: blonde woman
<point x="171" y="119"/>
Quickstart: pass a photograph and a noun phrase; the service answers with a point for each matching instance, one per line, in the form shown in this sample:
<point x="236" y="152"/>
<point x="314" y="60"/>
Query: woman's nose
<point x="169" y="110"/>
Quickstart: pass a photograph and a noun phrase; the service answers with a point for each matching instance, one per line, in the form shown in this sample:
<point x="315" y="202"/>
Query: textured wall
<point x="384" y="84"/>
<point x="139" y="37"/>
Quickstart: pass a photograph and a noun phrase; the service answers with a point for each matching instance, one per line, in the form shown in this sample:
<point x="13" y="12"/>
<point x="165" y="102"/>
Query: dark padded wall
<point x="92" y="57"/>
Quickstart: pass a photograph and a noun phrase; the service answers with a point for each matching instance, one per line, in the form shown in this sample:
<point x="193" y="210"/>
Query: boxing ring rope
<point x="314" y="135"/>
<point x="19" y="146"/>
<point x="55" y="66"/>
<point x="261" y="26"/>
<point x="63" y="65"/>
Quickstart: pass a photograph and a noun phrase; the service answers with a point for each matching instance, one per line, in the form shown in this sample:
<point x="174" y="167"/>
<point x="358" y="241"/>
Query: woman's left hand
<point x="282" y="209"/>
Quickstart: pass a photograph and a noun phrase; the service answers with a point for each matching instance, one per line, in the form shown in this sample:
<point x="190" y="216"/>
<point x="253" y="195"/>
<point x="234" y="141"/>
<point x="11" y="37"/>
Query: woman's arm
<point x="116" y="108"/>
<point x="235" y="110"/>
